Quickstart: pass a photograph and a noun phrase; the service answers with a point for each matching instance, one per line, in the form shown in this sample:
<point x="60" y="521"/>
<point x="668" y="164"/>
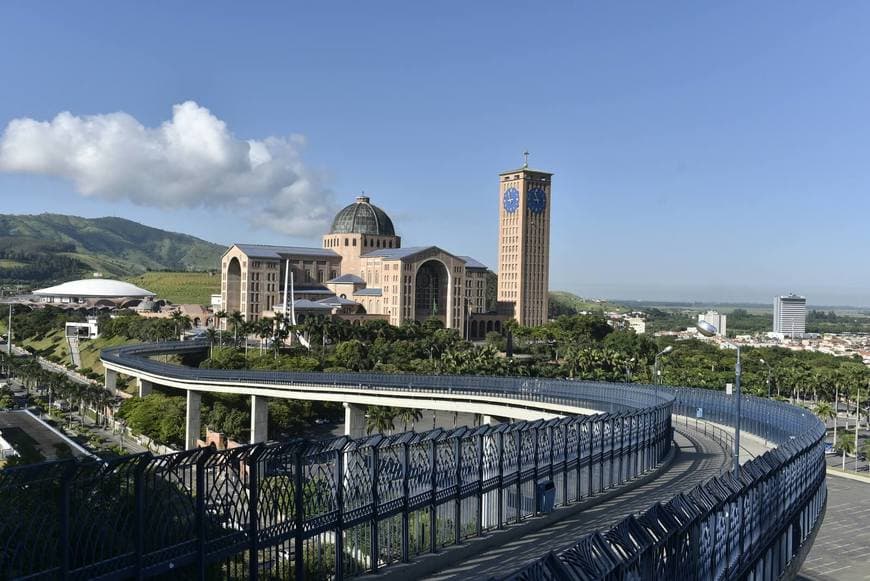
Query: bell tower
<point x="524" y="242"/>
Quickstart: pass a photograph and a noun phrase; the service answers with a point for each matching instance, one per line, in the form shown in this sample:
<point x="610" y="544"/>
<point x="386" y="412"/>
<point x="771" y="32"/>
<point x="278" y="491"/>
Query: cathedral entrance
<point x="430" y="292"/>
<point x="234" y="287"/>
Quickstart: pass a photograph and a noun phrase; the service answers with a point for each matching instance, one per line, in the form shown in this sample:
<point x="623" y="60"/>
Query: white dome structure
<point x="92" y="288"/>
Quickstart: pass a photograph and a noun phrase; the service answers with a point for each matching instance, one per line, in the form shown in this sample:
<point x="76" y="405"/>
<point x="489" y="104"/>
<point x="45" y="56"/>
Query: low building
<point x="94" y="292"/>
<point x="87" y="330"/>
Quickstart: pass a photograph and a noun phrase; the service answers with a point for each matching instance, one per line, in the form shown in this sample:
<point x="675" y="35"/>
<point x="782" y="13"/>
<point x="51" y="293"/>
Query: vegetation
<point x="565" y="303"/>
<point x="49" y="248"/>
<point x="180" y="287"/>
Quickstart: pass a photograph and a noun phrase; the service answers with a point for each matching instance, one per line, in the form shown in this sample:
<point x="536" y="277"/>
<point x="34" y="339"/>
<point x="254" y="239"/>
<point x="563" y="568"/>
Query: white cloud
<point x="192" y="160"/>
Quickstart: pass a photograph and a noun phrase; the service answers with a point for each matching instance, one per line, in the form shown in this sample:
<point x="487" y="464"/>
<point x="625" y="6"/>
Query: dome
<point x="94" y="288"/>
<point x="363" y="217"/>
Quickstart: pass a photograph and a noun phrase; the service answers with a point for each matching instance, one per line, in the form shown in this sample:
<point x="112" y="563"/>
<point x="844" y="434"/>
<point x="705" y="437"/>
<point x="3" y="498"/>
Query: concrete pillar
<point x="192" y="419"/>
<point x="144" y="386"/>
<point x="492" y="420"/>
<point x="354" y="420"/>
<point x="112" y="381"/>
<point x="259" y="419"/>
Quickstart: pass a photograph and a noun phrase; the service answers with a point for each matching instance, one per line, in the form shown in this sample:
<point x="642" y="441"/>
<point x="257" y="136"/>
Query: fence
<point x="303" y="510"/>
<point x="309" y="510"/>
<point x="752" y="525"/>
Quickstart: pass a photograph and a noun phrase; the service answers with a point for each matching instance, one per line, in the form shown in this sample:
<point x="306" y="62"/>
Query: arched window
<point x="498" y="326"/>
<point x="346" y="242"/>
<point x="354" y="241"/>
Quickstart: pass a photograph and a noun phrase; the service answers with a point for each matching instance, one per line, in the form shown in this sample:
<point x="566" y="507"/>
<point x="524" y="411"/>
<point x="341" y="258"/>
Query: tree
<point x="236" y="320"/>
<point x="826" y="411"/>
<point x="379" y="419"/>
<point x="408" y="416"/>
<point x="352" y="355"/>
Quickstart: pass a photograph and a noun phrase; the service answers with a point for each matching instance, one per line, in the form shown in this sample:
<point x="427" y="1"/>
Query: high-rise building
<point x="790" y="315"/>
<point x="716" y="319"/>
<point x="524" y="243"/>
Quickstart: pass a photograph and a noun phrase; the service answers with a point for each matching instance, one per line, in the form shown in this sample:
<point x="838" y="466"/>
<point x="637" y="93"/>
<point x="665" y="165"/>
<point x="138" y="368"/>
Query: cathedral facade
<point x="362" y="270"/>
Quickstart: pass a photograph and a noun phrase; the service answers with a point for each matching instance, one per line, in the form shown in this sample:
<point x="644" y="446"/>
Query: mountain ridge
<point x="48" y="247"/>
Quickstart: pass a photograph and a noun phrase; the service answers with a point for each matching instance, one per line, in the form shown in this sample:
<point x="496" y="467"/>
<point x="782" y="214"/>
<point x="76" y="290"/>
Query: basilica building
<point x="361" y="271"/>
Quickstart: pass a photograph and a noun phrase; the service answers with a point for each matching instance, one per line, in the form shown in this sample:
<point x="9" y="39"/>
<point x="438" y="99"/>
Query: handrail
<point x="346" y="507"/>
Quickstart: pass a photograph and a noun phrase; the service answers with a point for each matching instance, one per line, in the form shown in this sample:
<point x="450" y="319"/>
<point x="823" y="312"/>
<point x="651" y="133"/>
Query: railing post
<point x="375" y="471"/>
<point x="457" y="493"/>
<point x="565" y="463"/>
<point x="406" y="491"/>
<point x="433" y="516"/>
<point x="200" y="513"/>
<point x="139" y="494"/>
<point x="613" y="422"/>
<point x="253" y="514"/>
<point x="299" y="504"/>
<point x="591" y="448"/>
<point x="339" y="503"/>
<point x="500" y="489"/>
<point x="535" y="471"/>
<point x="579" y="425"/>
<point x="65" y="494"/>
<point x="601" y="459"/>
<point x="519" y="485"/>
<point x="479" y="446"/>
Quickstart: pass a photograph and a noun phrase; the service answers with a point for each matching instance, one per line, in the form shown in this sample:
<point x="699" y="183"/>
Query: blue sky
<point x="707" y="151"/>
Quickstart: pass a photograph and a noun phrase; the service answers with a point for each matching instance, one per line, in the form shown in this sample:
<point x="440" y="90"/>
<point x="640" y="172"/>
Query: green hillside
<point x="48" y="248"/>
<point x="565" y="303"/>
<point x="192" y="288"/>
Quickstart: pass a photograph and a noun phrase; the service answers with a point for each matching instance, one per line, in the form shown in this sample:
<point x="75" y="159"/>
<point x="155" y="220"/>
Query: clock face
<point x="537" y="200"/>
<point x="511" y="200"/>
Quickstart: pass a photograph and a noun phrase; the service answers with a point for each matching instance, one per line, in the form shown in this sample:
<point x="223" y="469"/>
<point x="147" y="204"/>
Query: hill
<point x="565" y="303"/>
<point x="47" y="248"/>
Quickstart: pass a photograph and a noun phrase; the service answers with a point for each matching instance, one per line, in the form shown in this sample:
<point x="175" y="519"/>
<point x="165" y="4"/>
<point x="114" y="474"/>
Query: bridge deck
<point x="699" y="458"/>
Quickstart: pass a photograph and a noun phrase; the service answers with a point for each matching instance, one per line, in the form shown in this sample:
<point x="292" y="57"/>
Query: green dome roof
<point x="363" y="217"/>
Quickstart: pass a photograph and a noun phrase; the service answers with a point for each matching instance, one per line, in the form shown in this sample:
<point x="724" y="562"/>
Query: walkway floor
<point x="699" y="459"/>
<point x="841" y="550"/>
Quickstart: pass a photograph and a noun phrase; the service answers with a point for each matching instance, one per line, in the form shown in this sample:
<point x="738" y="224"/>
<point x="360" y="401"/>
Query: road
<point x="699" y="459"/>
<point x="841" y="551"/>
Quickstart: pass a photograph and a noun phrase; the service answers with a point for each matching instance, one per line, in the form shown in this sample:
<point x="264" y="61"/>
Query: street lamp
<point x="710" y="330"/>
<point x="768" y="376"/>
<point x="664" y="351"/>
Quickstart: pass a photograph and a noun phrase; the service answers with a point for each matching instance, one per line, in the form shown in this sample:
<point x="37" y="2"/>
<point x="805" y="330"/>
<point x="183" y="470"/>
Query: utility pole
<point x="9" y="333"/>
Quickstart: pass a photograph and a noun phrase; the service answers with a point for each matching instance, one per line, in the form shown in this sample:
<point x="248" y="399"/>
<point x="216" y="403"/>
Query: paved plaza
<point x="841" y="551"/>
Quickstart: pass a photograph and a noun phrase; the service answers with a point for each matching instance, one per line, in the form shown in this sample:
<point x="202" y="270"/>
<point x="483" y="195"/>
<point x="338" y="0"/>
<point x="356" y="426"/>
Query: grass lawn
<point x="193" y="288"/>
<point x="55" y="344"/>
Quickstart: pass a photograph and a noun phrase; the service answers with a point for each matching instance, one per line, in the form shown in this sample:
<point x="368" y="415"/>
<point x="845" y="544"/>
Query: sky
<point x="711" y="151"/>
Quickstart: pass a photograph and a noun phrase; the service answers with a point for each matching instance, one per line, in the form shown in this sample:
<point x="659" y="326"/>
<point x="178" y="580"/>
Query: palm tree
<point x="847" y="447"/>
<point x="379" y="419"/>
<point x="826" y="411"/>
<point x="212" y="335"/>
<point x="409" y="416"/>
<point x="220" y="316"/>
<point x="236" y="319"/>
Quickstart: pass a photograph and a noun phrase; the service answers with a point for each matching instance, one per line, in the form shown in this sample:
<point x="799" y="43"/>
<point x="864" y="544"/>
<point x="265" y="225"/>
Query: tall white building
<point x="716" y="319"/>
<point x="790" y="315"/>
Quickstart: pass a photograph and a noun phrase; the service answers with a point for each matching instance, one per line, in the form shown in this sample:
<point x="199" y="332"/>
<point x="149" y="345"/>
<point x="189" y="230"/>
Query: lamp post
<point x="664" y="351"/>
<point x="710" y="330"/>
<point x="768" y="376"/>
